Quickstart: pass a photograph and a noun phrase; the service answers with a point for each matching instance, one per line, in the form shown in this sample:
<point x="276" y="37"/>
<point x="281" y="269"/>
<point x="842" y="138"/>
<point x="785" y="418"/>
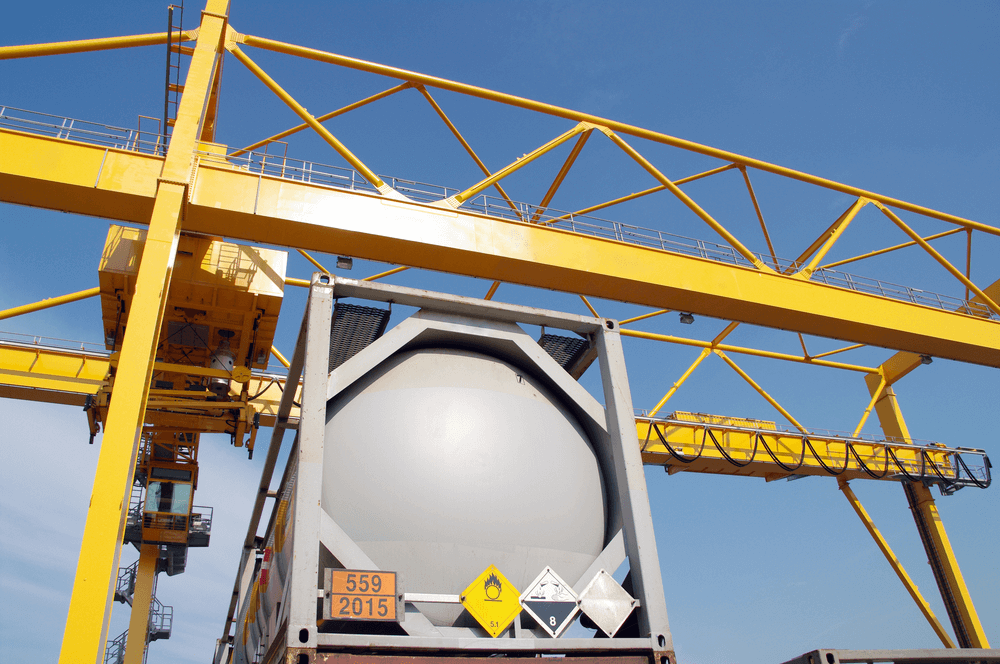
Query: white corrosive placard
<point x="551" y="602"/>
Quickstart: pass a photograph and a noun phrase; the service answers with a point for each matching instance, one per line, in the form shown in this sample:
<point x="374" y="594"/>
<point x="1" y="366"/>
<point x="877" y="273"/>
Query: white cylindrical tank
<point x="441" y="462"/>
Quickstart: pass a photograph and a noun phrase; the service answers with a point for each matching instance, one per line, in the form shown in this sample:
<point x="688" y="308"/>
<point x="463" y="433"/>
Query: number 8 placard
<point x="352" y="594"/>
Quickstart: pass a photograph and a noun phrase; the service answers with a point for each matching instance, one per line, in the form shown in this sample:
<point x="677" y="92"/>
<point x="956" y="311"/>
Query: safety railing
<point x="115" y="651"/>
<point x="201" y="520"/>
<point x="281" y="166"/>
<point x="161" y="620"/>
<point x="346" y="178"/>
<point x="84" y="131"/>
<point x="125" y="587"/>
<point x="51" y="343"/>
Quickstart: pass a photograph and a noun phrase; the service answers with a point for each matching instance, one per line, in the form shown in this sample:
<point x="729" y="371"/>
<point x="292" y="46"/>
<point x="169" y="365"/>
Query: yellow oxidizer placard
<point x="492" y="600"/>
<point x="360" y="595"/>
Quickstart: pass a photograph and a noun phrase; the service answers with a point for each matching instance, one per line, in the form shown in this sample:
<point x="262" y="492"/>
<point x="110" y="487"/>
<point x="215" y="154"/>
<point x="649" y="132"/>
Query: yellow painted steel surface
<point x="897" y="566"/>
<point x="84" y="638"/>
<point x="971" y="624"/>
<point x="56" y="375"/>
<point x="138" y="625"/>
<point x="216" y="286"/>
<point x="50" y="374"/>
<point x="891" y="419"/>
<point x="705" y="441"/>
<point x="229" y="202"/>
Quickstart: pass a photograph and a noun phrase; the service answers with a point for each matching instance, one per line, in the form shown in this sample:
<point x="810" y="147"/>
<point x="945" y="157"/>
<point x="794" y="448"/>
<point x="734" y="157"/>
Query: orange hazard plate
<point x="353" y="594"/>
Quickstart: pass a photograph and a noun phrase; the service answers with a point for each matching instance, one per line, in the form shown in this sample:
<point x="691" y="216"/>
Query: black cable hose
<point x="901" y="468"/>
<point x="726" y="454"/>
<point x="981" y="485"/>
<point x="926" y="458"/>
<point x="297" y="405"/>
<point x="864" y="466"/>
<point x="266" y="388"/>
<point x="674" y="452"/>
<point x="790" y="469"/>
<point x="847" y="458"/>
<point x="888" y="453"/>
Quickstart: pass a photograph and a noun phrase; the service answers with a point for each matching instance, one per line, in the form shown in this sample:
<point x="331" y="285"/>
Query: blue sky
<point x="897" y="97"/>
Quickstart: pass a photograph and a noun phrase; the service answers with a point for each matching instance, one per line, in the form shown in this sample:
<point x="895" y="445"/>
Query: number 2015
<point x="356" y="607"/>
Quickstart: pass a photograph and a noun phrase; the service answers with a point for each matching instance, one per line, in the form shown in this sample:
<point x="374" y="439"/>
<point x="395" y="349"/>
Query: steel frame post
<point x="85" y="635"/>
<point x="138" y="624"/>
<point x="640" y="540"/>
<point x="957" y="600"/>
<point x="301" y="633"/>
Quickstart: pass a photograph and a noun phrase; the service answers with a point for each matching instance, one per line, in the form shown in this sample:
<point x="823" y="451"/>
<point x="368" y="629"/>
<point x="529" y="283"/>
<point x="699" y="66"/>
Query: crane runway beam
<point x="227" y="201"/>
<point x="697" y="443"/>
<point x="692" y="442"/>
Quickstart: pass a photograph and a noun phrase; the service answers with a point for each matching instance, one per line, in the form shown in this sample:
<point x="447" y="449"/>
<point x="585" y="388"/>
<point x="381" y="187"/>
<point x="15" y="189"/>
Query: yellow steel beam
<point x="897" y="566"/>
<point x="620" y="127"/>
<point x="705" y="352"/>
<point x="879" y="252"/>
<point x="458" y="199"/>
<point x="760" y="215"/>
<point x="84" y="45"/>
<point x="395" y="270"/>
<point x="138" y="623"/>
<point x="955" y="272"/>
<point x="561" y="175"/>
<point x="312" y="260"/>
<point x="947" y="573"/>
<point x="321" y="118"/>
<point x="69" y="371"/>
<point x="684" y="198"/>
<point x="902" y="363"/>
<point x="633" y="319"/>
<point x="230" y="202"/>
<point x="840" y="226"/>
<point x="52" y="370"/>
<point x="465" y="144"/>
<point x="280" y="357"/>
<point x="693" y="442"/>
<point x="85" y="634"/>
<point x="50" y="302"/>
<point x="760" y="390"/>
<point x="300" y="111"/>
<point x="955" y="593"/>
<point x="744" y="351"/>
<point x="644" y="192"/>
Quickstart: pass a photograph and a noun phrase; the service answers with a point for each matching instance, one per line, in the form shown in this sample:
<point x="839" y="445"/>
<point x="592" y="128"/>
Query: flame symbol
<point x="492" y="587"/>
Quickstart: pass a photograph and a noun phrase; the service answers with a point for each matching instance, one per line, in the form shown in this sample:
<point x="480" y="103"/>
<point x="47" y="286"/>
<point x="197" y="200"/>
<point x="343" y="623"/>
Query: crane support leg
<point x="897" y="566"/>
<point x="964" y="619"/>
<point x="85" y="636"/>
<point x="954" y="592"/>
<point x="138" y="624"/>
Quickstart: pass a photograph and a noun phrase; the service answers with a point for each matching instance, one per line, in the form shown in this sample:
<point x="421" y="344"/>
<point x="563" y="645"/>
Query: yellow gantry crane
<point x="189" y="309"/>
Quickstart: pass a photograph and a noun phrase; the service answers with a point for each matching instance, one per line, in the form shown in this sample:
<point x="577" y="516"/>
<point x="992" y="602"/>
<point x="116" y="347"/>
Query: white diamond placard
<point x="551" y="602"/>
<point x="606" y="603"/>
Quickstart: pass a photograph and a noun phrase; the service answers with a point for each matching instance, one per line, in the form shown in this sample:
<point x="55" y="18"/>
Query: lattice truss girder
<point x="490" y="239"/>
